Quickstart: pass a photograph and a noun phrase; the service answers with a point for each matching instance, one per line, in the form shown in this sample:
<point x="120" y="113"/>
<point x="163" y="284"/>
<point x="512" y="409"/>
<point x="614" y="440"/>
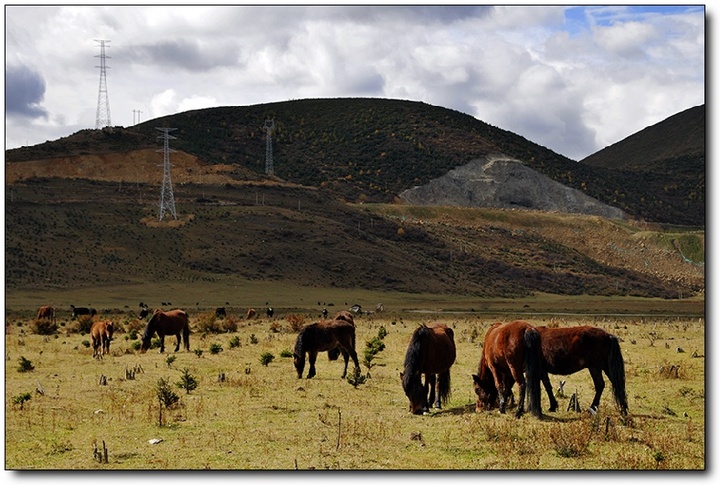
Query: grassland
<point x="244" y="415"/>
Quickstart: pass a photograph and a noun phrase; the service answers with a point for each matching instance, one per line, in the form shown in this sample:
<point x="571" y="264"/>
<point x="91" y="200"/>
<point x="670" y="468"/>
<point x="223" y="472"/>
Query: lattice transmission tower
<point x="167" y="199"/>
<point x="102" y="116"/>
<point x="269" y="127"/>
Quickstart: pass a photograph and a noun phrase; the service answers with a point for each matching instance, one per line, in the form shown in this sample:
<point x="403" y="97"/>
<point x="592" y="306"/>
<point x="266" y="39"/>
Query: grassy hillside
<point x="72" y="233"/>
<point x="370" y="150"/>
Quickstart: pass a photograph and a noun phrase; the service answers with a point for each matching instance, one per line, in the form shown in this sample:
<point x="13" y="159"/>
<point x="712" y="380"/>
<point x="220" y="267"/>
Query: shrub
<point x="21" y="399"/>
<point x="187" y="381"/>
<point x="25" y="365"/>
<point x="235" y="342"/>
<point x="215" y="348"/>
<point x="43" y="327"/>
<point x="208" y="323"/>
<point x="296" y="322"/>
<point x="166" y="396"/>
<point x="266" y="358"/>
<point x="286" y="353"/>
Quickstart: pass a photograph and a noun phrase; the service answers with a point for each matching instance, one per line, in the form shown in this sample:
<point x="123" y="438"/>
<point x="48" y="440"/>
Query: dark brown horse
<point x="325" y="336"/>
<point x="173" y="322"/>
<point x="569" y="350"/>
<point x="101" y="334"/>
<point x="431" y="352"/>
<point x="511" y="353"/>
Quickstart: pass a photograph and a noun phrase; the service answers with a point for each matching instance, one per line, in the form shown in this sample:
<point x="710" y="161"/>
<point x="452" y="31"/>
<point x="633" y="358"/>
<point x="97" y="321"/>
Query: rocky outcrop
<point x="498" y="181"/>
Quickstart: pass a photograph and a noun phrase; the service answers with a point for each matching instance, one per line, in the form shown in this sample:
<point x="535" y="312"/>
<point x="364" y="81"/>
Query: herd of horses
<point x="512" y="353"/>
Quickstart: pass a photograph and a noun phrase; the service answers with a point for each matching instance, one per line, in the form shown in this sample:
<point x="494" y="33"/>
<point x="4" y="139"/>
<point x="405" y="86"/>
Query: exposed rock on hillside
<point x="498" y="181"/>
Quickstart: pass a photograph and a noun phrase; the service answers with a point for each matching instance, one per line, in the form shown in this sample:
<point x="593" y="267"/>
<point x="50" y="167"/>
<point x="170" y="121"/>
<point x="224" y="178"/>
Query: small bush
<point x="21" y="399"/>
<point x="296" y="322"/>
<point x="25" y="365"/>
<point x="208" y="323"/>
<point x="286" y="353"/>
<point x="253" y="339"/>
<point x="215" y="348"/>
<point x="235" y="342"/>
<point x="266" y="358"/>
<point x="165" y="394"/>
<point x="43" y="327"/>
<point x="187" y="381"/>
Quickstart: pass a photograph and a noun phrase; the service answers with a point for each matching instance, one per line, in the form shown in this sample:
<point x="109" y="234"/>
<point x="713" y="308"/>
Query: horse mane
<point x="304" y="332"/>
<point x="412" y="356"/>
<point x="150" y="327"/>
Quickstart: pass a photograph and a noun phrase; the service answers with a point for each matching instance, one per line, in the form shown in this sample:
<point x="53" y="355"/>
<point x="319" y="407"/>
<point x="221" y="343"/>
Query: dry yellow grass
<point x="264" y="417"/>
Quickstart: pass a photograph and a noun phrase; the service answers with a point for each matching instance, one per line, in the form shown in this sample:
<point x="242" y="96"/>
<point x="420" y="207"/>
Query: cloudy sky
<point x="573" y="79"/>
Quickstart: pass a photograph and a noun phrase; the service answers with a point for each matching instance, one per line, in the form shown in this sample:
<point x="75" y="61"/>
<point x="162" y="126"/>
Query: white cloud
<point x="571" y="79"/>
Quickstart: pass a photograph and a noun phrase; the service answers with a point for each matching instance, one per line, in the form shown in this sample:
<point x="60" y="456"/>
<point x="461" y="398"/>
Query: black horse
<point x="325" y="336"/>
<point x="431" y="352"/>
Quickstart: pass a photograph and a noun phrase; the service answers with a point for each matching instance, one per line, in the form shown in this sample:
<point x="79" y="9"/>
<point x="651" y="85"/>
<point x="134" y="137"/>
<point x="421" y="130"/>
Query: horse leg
<point x="434" y="391"/>
<point x="522" y="386"/>
<point x="177" y="347"/>
<point x="599" y="382"/>
<point x="162" y="342"/>
<point x="346" y="357"/>
<point x="429" y="389"/>
<point x="312" y="356"/>
<point x="549" y="390"/>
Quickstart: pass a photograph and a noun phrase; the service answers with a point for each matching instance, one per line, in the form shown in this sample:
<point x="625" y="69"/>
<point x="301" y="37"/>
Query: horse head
<point x="299" y="362"/>
<point x="487" y="393"/>
<point x="415" y="391"/>
<point x="147" y="335"/>
<point x="109" y="329"/>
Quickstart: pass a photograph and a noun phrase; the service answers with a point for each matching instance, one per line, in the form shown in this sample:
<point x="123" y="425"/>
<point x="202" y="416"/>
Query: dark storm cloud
<point x="412" y="13"/>
<point x="184" y="54"/>
<point x="24" y="92"/>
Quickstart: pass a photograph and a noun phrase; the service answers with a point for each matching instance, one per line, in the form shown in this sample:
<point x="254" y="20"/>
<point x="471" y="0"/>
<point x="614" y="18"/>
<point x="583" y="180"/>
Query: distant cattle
<point x="46" y="313"/>
<point x="144" y="312"/>
<point x="77" y="311"/>
<point x="269" y="312"/>
<point x="101" y="333"/>
<point x="220" y="312"/>
<point x="251" y="313"/>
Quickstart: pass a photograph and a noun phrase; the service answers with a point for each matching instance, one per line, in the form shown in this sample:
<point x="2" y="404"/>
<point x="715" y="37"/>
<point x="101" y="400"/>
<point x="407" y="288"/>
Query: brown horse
<point x="101" y="334"/>
<point x="173" y="322"/>
<point x="46" y="313"/>
<point x="511" y="353"/>
<point x="569" y="350"/>
<point x="325" y="336"/>
<point x="431" y="352"/>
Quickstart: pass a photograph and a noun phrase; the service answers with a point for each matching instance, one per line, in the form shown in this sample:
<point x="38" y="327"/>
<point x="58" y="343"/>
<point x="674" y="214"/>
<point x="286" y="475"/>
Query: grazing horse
<point x="325" y="336"/>
<point x="101" y="334"/>
<point x="173" y="322"/>
<point x="569" y="350"/>
<point x="46" y="313"/>
<point x="345" y="315"/>
<point x="511" y="353"/>
<point x="77" y="311"/>
<point x="251" y="313"/>
<point x="431" y="352"/>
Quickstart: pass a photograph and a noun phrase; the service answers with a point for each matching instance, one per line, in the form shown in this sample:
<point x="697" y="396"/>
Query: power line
<point x="102" y="116"/>
<point x="167" y="199"/>
<point x="269" y="127"/>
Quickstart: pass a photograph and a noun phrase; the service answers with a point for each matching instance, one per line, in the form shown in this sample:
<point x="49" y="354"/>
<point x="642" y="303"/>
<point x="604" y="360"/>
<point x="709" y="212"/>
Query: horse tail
<point x="444" y="386"/>
<point x="616" y="374"/>
<point x="533" y="370"/>
<point x="186" y="333"/>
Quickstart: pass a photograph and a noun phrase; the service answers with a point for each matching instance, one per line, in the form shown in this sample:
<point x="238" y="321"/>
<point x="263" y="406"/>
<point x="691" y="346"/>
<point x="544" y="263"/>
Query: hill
<point x="76" y="233"/>
<point x="668" y="160"/>
<point x="371" y="150"/>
